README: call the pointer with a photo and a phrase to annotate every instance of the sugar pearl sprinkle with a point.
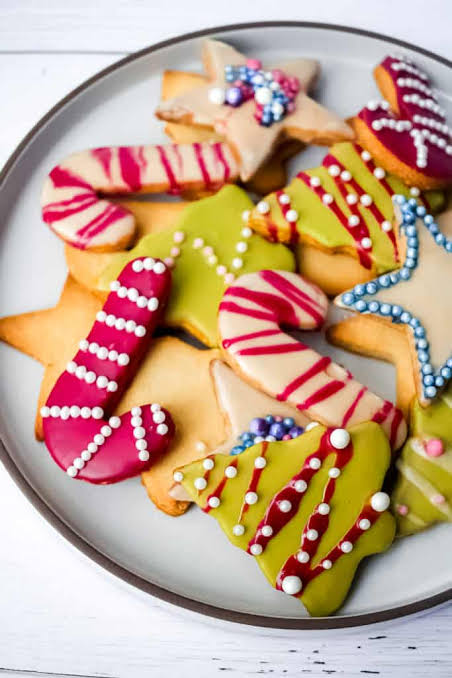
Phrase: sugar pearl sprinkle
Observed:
(94, 445)
(270, 428)
(132, 294)
(364, 297)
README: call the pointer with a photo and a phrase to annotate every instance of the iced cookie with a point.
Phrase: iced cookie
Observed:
(309, 509)
(254, 315)
(423, 491)
(407, 132)
(73, 198)
(271, 176)
(206, 249)
(82, 440)
(415, 297)
(342, 208)
(254, 109)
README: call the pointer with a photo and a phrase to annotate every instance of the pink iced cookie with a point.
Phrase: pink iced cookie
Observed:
(73, 199)
(80, 436)
(251, 315)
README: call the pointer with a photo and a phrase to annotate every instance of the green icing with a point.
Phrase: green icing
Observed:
(197, 288)
(318, 222)
(421, 478)
(359, 480)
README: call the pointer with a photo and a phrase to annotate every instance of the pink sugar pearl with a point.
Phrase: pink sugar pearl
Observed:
(434, 447)
(402, 509)
(254, 63)
(438, 499)
(286, 436)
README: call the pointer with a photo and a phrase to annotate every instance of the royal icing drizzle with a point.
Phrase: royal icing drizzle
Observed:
(73, 199)
(80, 436)
(283, 503)
(251, 315)
(423, 491)
(417, 132)
(411, 295)
(207, 248)
(254, 143)
(345, 203)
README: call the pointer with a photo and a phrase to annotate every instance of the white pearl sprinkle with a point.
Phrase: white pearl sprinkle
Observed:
(263, 207)
(241, 247)
(284, 199)
(246, 215)
(143, 455)
(323, 509)
(364, 524)
(114, 422)
(312, 535)
(255, 549)
(148, 263)
(230, 471)
(267, 531)
(200, 483)
(380, 501)
(346, 175)
(300, 485)
(353, 220)
(346, 546)
(327, 198)
(315, 463)
(178, 476)
(260, 462)
(351, 199)
(291, 585)
(314, 182)
(366, 200)
(208, 464)
(159, 417)
(237, 262)
(303, 557)
(214, 502)
(139, 432)
(162, 429)
(379, 173)
(141, 444)
(246, 232)
(327, 564)
(137, 266)
(366, 243)
(334, 472)
(251, 498)
(71, 471)
(365, 155)
(285, 506)
(386, 226)
(159, 267)
(292, 215)
(339, 438)
(238, 530)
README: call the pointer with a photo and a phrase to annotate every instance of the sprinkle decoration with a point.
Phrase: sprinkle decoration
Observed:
(273, 91)
(363, 298)
(270, 428)
(82, 439)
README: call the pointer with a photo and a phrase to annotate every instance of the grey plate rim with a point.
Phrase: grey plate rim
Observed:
(50, 514)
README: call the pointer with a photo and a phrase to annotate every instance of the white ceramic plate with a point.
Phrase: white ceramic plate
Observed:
(187, 561)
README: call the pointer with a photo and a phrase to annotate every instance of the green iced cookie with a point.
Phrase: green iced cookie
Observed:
(308, 509)
(209, 245)
(423, 491)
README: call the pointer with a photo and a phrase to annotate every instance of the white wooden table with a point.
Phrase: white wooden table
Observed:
(60, 614)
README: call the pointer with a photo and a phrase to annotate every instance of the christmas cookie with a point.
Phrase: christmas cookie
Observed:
(271, 176)
(415, 297)
(423, 492)
(206, 249)
(73, 198)
(252, 314)
(255, 109)
(342, 208)
(407, 132)
(82, 441)
(309, 509)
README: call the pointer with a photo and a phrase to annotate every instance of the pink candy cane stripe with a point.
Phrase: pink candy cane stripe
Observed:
(73, 198)
(326, 392)
(78, 433)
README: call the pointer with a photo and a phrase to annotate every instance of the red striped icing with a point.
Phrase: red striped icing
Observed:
(68, 437)
(74, 202)
(251, 315)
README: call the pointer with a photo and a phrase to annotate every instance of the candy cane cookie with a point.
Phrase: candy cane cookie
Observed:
(80, 436)
(73, 199)
(251, 315)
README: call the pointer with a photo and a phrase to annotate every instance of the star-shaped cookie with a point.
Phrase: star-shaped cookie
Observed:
(252, 142)
(417, 296)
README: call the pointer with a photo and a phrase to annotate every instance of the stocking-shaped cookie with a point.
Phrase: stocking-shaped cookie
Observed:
(423, 492)
(308, 509)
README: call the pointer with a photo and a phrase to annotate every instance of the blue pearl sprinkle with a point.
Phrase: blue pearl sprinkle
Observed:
(430, 391)
(374, 306)
(348, 298)
(360, 306)
(429, 380)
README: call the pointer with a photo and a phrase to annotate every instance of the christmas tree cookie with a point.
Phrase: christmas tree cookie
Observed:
(308, 509)
(423, 491)
(343, 207)
(208, 246)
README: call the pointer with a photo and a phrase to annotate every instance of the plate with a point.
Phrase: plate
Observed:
(186, 561)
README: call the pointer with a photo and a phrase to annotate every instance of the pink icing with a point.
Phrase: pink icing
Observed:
(73, 199)
(418, 134)
(434, 447)
(251, 317)
(119, 455)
